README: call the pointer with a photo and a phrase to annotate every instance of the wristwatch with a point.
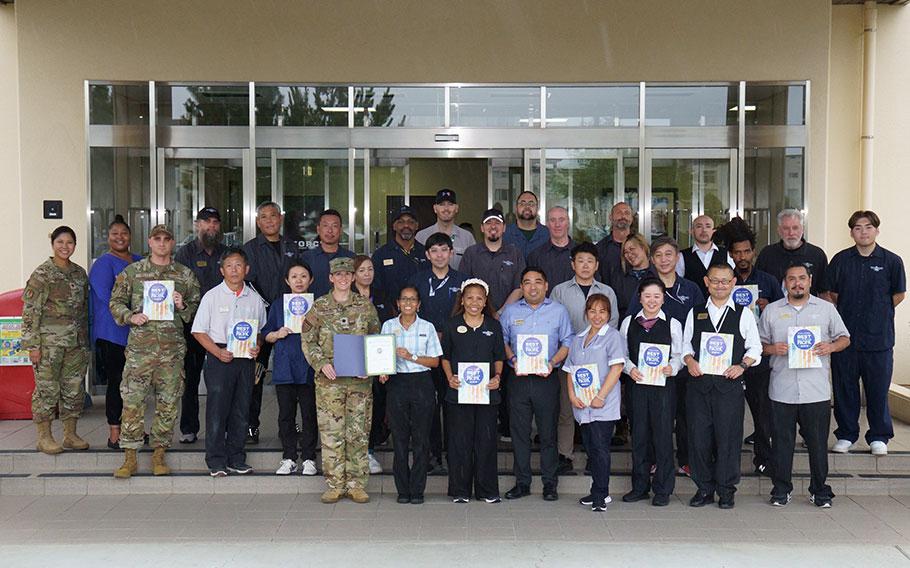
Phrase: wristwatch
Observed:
(414, 357)
(744, 365)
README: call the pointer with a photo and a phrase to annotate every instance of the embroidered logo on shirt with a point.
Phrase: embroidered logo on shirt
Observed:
(877, 268)
(518, 322)
(461, 329)
(488, 333)
(508, 262)
(683, 299)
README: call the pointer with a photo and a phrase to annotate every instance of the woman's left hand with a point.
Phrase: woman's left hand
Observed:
(34, 355)
(667, 370)
(178, 300)
(494, 383)
(597, 403)
(383, 379)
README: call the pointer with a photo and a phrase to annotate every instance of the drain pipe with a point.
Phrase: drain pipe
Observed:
(870, 26)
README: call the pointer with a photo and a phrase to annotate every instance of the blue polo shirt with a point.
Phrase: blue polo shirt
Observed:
(394, 267)
(318, 261)
(865, 285)
(513, 235)
(290, 367)
(437, 295)
(679, 299)
(550, 318)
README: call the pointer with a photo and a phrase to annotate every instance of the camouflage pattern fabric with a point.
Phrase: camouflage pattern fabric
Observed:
(55, 310)
(145, 376)
(344, 408)
(327, 317)
(59, 379)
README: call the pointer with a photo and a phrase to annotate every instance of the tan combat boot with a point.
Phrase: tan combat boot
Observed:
(332, 495)
(358, 495)
(159, 466)
(129, 466)
(71, 439)
(46, 441)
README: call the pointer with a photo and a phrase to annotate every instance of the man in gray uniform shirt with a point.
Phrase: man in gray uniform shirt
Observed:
(446, 208)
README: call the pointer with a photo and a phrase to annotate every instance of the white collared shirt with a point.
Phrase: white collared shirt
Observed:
(703, 256)
(676, 341)
(747, 328)
(221, 305)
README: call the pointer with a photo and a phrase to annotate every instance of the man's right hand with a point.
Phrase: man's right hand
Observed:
(139, 319)
(694, 368)
(225, 356)
(781, 349)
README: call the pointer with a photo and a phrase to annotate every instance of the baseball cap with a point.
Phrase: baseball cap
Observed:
(158, 229)
(402, 211)
(207, 213)
(444, 195)
(341, 265)
(493, 214)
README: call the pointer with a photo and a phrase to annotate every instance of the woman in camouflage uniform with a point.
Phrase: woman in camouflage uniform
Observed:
(55, 334)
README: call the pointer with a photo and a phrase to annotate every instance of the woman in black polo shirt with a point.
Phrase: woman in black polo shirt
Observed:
(472, 335)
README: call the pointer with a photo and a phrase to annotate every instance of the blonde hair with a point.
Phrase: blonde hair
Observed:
(639, 240)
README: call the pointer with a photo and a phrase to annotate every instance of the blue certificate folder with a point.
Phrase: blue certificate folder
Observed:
(350, 360)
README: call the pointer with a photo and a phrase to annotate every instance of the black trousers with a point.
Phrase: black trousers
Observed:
(653, 409)
(379, 432)
(534, 397)
(596, 437)
(289, 398)
(682, 424)
(715, 436)
(814, 421)
(411, 401)
(472, 434)
(757, 380)
(229, 386)
(874, 368)
(111, 358)
(265, 351)
(192, 367)
(437, 432)
(503, 407)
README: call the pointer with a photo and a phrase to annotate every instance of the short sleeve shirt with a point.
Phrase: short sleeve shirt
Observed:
(550, 318)
(221, 305)
(606, 349)
(419, 339)
(463, 344)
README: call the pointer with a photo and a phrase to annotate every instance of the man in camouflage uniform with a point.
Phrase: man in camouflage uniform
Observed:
(343, 404)
(55, 333)
(154, 351)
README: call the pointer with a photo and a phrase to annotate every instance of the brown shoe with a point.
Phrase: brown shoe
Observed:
(129, 467)
(332, 496)
(358, 495)
(46, 441)
(159, 465)
(71, 439)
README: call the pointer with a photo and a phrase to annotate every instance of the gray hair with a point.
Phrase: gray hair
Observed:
(266, 205)
(791, 213)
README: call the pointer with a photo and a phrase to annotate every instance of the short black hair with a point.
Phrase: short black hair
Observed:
(330, 213)
(664, 241)
(585, 246)
(527, 192)
(870, 215)
(409, 287)
(298, 264)
(796, 264)
(651, 281)
(439, 238)
(231, 251)
(720, 266)
(536, 269)
(63, 229)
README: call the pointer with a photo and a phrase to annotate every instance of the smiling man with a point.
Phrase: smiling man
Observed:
(527, 233)
(609, 248)
(446, 209)
(554, 256)
(794, 249)
(400, 258)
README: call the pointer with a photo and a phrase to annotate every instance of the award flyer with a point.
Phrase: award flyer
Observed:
(295, 307)
(801, 341)
(652, 357)
(746, 296)
(586, 381)
(474, 379)
(716, 354)
(242, 337)
(379, 355)
(158, 299)
(532, 355)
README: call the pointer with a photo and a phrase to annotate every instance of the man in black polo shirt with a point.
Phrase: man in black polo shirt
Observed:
(497, 263)
(715, 401)
(866, 282)
(328, 227)
(397, 260)
(269, 255)
(793, 249)
(693, 263)
(554, 256)
(609, 248)
(202, 255)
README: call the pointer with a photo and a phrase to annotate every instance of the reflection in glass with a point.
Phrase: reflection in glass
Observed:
(119, 186)
(301, 106)
(680, 188)
(691, 106)
(592, 107)
(501, 107)
(775, 104)
(774, 180)
(193, 183)
(193, 105)
(416, 107)
(119, 104)
(387, 189)
(508, 182)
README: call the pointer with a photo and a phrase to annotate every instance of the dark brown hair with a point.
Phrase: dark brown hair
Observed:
(458, 308)
(857, 215)
(595, 299)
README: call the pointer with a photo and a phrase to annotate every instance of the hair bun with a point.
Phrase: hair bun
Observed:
(118, 218)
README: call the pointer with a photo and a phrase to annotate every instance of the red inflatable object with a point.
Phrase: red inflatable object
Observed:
(16, 382)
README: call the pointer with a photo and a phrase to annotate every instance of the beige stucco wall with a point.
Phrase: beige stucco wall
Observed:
(10, 194)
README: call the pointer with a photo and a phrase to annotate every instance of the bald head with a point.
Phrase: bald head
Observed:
(703, 230)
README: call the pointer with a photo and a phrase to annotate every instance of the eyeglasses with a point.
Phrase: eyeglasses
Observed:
(720, 282)
(408, 300)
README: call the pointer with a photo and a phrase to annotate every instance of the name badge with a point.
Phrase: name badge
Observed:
(785, 316)
(388, 262)
(223, 309)
(702, 316)
(518, 322)
(202, 263)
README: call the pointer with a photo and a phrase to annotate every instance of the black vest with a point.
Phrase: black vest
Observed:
(637, 335)
(696, 271)
(701, 323)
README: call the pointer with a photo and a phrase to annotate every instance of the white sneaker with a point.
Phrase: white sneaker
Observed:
(879, 448)
(375, 466)
(286, 467)
(841, 446)
(308, 468)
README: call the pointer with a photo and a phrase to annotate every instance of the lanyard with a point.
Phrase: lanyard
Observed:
(438, 288)
(720, 324)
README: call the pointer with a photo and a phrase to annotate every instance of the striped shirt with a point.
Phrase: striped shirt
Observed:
(420, 339)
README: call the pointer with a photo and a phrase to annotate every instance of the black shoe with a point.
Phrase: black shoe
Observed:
(780, 500)
(660, 500)
(549, 493)
(633, 496)
(587, 471)
(587, 501)
(565, 466)
(418, 500)
(750, 439)
(763, 469)
(437, 468)
(725, 502)
(617, 441)
(701, 499)
(252, 436)
(599, 506)
(518, 492)
(404, 499)
(145, 439)
(240, 469)
(113, 445)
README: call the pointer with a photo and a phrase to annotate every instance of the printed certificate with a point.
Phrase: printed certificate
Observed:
(586, 381)
(474, 379)
(532, 355)
(379, 354)
(801, 340)
(158, 299)
(746, 296)
(295, 307)
(716, 354)
(652, 357)
(242, 337)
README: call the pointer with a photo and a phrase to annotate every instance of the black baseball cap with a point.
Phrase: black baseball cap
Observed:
(207, 213)
(444, 195)
(493, 214)
(402, 211)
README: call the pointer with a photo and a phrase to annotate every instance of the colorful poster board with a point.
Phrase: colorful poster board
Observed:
(11, 352)
(532, 355)
(652, 357)
(586, 381)
(158, 299)
(242, 335)
(801, 341)
(474, 381)
(716, 353)
(296, 307)
(747, 296)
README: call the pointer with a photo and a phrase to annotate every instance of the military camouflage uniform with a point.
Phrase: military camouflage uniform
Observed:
(154, 351)
(55, 320)
(343, 406)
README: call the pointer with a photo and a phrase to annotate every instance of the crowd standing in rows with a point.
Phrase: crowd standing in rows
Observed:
(656, 335)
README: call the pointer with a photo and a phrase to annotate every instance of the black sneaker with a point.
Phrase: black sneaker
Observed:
(403, 499)
(252, 436)
(113, 445)
(217, 472)
(586, 501)
(565, 466)
(417, 500)
(599, 506)
(518, 492)
(701, 499)
(240, 469)
(460, 500)
(492, 500)
(780, 500)
(750, 439)
(549, 493)
(660, 501)
(725, 502)
(820, 502)
(437, 468)
(634, 496)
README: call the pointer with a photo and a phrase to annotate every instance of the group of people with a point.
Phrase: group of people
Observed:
(450, 301)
